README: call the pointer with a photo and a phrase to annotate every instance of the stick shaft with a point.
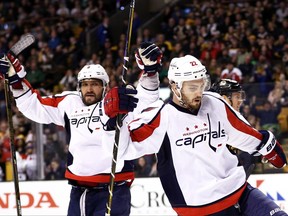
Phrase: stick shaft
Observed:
(24, 42)
(12, 146)
(119, 117)
(128, 41)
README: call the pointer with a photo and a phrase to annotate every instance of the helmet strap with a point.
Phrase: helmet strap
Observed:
(79, 88)
(177, 92)
(104, 91)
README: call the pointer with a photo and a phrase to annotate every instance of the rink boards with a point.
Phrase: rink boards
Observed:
(52, 197)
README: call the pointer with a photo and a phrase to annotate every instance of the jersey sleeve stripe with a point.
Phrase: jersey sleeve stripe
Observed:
(145, 130)
(49, 101)
(240, 125)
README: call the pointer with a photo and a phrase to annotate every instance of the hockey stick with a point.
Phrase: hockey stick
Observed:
(24, 42)
(17, 48)
(119, 116)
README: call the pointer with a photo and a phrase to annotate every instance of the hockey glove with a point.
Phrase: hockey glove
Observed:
(18, 74)
(111, 124)
(271, 150)
(120, 100)
(149, 58)
(4, 66)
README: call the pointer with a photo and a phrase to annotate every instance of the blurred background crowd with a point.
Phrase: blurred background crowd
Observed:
(242, 40)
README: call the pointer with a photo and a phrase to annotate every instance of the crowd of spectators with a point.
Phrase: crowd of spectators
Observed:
(245, 41)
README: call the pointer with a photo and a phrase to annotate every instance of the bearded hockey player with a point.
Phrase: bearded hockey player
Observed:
(199, 174)
(90, 132)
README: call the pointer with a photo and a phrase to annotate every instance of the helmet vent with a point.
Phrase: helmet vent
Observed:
(187, 73)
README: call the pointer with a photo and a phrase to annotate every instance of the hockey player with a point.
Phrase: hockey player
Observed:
(199, 175)
(90, 132)
(233, 94)
(231, 91)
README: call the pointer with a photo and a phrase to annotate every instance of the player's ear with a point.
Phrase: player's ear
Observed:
(175, 89)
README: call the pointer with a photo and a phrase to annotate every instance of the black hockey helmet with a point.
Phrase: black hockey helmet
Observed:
(226, 87)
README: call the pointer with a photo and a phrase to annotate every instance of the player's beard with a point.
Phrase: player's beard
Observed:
(191, 104)
(91, 98)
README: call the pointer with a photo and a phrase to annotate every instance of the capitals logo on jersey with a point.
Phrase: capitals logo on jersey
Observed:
(84, 116)
(201, 135)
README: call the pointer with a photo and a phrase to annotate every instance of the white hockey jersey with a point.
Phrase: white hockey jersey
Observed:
(90, 146)
(198, 172)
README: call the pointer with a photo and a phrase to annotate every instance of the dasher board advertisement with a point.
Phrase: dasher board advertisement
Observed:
(148, 198)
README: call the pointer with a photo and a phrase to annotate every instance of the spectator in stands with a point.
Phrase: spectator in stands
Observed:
(137, 22)
(95, 59)
(282, 11)
(103, 33)
(209, 49)
(231, 72)
(63, 10)
(163, 44)
(91, 9)
(192, 47)
(4, 141)
(3, 114)
(267, 116)
(69, 81)
(279, 46)
(181, 31)
(52, 148)
(31, 161)
(26, 163)
(35, 76)
(142, 168)
(276, 93)
(249, 113)
(76, 11)
(20, 144)
(262, 75)
(247, 69)
(168, 29)
(54, 171)
(54, 40)
(21, 124)
(146, 35)
(177, 50)
(284, 99)
(223, 58)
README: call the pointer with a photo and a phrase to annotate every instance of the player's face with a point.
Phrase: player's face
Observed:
(192, 93)
(237, 99)
(91, 91)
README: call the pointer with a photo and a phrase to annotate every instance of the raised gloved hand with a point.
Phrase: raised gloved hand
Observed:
(19, 72)
(4, 66)
(120, 100)
(272, 150)
(149, 58)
